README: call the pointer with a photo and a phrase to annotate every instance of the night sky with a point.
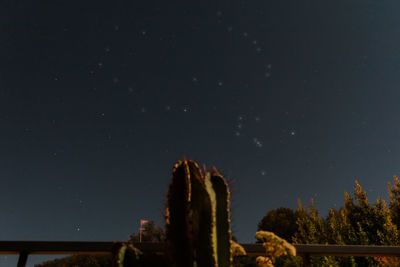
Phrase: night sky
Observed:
(98, 100)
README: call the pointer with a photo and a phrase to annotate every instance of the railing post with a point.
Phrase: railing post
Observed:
(306, 260)
(23, 258)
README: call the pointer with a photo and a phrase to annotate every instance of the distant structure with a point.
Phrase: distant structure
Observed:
(142, 223)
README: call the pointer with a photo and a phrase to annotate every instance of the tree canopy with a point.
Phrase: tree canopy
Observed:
(281, 221)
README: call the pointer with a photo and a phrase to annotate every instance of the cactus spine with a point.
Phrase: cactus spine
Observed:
(197, 218)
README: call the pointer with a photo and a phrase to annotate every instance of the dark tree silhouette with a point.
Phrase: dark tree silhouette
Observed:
(281, 221)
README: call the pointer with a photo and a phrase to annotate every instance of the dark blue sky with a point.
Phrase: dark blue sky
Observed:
(98, 100)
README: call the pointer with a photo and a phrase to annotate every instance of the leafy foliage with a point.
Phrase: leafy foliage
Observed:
(357, 223)
(274, 248)
(394, 204)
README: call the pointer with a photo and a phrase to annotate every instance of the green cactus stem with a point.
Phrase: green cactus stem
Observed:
(127, 255)
(178, 226)
(201, 218)
(223, 227)
(189, 218)
(197, 218)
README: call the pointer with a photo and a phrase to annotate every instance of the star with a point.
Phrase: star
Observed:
(257, 142)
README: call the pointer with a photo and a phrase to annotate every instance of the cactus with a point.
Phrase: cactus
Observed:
(126, 255)
(197, 218)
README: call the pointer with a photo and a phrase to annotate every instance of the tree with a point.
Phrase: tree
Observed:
(357, 223)
(394, 204)
(281, 221)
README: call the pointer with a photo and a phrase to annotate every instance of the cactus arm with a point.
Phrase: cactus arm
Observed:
(201, 218)
(224, 234)
(178, 227)
(127, 256)
(211, 193)
(121, 256)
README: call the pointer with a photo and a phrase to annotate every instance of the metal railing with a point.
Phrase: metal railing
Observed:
(26, 248)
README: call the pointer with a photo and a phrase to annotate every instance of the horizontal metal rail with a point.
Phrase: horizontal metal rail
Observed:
(24, 248)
